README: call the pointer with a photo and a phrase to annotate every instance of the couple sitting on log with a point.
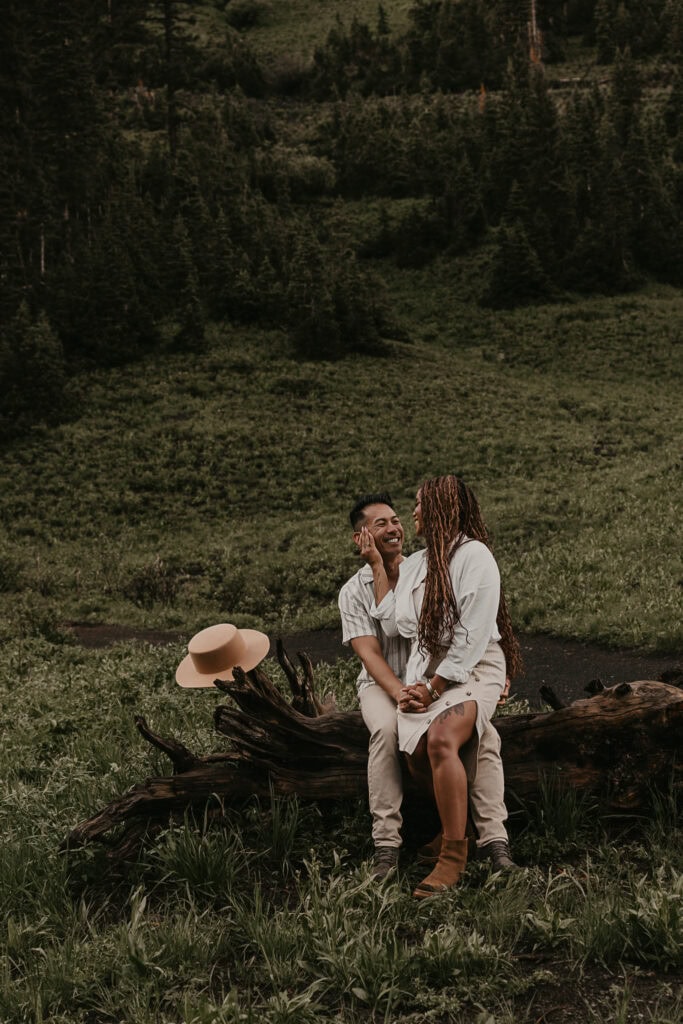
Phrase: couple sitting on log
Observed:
(436, 643)
(430, 641)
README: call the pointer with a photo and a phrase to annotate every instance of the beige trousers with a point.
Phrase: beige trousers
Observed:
(385, 786)
(385, 783)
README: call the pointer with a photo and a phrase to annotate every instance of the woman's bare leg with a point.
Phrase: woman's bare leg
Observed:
(445, 738)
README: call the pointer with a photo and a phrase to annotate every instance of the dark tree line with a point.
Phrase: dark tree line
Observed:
(589, 189)
(146, 190)
(463, 44)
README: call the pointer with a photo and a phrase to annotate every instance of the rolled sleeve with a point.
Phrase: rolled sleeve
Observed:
(356, 621)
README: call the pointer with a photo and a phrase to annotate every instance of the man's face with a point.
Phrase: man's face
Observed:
(385, 527)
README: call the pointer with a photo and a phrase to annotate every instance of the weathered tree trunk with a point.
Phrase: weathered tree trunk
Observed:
(620, 746)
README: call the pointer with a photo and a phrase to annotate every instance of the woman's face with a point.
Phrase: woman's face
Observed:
(417, 514)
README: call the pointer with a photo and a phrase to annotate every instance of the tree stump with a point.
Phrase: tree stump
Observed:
(619, 746)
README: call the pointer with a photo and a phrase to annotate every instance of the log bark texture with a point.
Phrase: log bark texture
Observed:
(619, 746)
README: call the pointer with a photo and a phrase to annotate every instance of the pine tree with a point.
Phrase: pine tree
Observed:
(69, 127)
(516, 276)
(18, 174)
(540, 150)
(602, 258)
(222, 263)
(177, 61)
(605, 30)
(461, 203)
(645, 27)
(658, 239)
(183, 284)
(583, 157)
(105, 303)
(383, 28)
(334, 308)
(32, 372)
(672, 25)
(312, 322)
(624, 97)
(673, 111)
(123, 43)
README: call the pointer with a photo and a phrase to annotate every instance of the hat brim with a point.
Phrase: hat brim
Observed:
(258, 645)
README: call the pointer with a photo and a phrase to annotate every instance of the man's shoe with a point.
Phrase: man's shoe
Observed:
(498, 853)
(384, 862)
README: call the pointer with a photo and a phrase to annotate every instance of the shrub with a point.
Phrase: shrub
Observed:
(288, 75)
(282, 172)
(235, 65)
(155, 583)
(10, 574)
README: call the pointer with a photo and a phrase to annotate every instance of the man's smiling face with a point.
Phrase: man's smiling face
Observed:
(385, 527)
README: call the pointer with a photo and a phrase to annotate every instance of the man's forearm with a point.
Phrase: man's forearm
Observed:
(380, 582)
(385, 678)
(379, 670)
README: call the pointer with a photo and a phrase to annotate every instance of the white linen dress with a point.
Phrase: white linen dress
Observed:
(472, 661)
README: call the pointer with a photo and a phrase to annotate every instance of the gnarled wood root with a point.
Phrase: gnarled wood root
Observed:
(620, 746)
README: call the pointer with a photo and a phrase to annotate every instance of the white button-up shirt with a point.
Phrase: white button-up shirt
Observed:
(476, 585)
(356, 598)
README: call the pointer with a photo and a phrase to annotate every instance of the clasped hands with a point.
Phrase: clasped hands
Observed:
(415, 699)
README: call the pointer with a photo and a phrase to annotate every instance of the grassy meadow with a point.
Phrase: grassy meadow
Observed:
(198, 487)
(191, 489)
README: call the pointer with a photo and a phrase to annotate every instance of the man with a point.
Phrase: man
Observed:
(380, 684)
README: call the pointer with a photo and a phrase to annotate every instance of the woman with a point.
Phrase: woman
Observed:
(448, 601)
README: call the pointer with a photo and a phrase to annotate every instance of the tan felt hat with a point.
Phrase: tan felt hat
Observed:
(216, 650)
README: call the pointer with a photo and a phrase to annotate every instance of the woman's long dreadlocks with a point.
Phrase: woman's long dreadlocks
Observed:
(450, 512)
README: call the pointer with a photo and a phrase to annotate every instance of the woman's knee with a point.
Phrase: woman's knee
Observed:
(451, 731)
(441, 748)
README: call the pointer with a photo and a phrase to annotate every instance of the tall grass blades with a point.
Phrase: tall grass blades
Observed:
(609, 915)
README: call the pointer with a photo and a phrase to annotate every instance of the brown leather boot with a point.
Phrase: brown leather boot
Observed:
(429, 853)
(497, 853)
(447, 871)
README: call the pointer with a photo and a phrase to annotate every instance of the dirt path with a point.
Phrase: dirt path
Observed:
(564, 665)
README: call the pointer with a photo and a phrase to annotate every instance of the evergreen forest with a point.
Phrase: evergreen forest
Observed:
(168, 165)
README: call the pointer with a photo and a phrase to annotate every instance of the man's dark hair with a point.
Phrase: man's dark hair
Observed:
(356, 515)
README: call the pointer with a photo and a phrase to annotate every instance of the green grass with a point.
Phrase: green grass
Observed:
(191, 489)
(294, 28)
(270, 915)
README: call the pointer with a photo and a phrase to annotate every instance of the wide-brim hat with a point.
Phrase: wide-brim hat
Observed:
(217, 650)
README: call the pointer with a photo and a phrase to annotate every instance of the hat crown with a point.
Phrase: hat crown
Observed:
(217, 648)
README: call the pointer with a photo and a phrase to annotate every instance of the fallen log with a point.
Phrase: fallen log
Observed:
(619, 746)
